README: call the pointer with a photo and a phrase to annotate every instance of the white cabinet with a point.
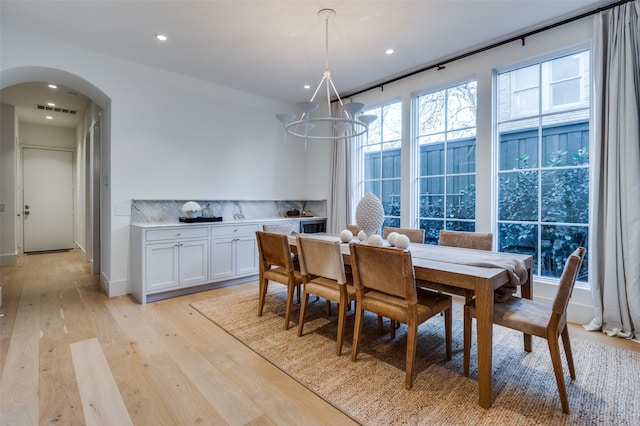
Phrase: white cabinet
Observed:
(168, 259)
(234, 252)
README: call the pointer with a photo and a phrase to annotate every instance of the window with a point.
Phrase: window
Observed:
(446, 143)
(380, 154)
(543, 163)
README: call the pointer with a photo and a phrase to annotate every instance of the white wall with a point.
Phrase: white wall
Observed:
(169, 136)
(481, 67)
(47, 136)
(8, 162)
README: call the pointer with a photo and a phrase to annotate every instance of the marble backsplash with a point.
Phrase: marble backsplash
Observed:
(163, 211)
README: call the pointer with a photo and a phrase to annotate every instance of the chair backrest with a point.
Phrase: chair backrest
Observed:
(568, 280)
(354, 229)
(385, 269)
(471, 240)
(321, 257)
(414, 235)
(274, 250)
(280, 228)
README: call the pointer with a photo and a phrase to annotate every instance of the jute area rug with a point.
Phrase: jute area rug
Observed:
(371, 390)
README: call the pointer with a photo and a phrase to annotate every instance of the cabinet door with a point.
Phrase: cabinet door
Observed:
(161, 268)
(193, 262)
(247, 262)
(222, 258)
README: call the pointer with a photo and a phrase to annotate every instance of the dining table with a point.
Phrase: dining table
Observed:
(462, 269)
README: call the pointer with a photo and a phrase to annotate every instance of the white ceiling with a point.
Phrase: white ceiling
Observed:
(273, 48)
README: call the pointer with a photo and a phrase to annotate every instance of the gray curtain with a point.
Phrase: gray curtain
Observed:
(615, 243)
(340, 203)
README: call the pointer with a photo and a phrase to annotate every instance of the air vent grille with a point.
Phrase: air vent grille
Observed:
(56, 109)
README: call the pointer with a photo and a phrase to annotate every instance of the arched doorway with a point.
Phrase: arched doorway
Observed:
(95, 134)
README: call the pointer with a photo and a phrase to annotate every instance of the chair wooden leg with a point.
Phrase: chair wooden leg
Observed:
(327, 307)
(412, 337)
(303, 309)
(554, 350)
(357, 328)
(567, 352)
(447, 331)
(393, 329)
(380, 329)
(262, 295)
(342, 319)
(467, 341)
(287, 314)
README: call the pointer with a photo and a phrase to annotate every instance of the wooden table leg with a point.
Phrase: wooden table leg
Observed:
(527, 293)
(484, 332)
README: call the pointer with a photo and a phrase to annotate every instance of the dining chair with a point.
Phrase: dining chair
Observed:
(470, 240)
(538, 319)
(324, 275)
(385, 284)
(281, 228)
(414, 235)
(276, 264)
(354, 229)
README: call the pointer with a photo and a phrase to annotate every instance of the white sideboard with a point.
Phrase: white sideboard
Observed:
(171, 259)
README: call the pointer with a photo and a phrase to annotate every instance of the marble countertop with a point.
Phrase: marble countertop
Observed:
(224, 222)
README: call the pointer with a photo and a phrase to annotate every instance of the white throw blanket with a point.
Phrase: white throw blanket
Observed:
(515, 267)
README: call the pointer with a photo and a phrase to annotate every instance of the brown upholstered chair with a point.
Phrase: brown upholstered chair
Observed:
(281, 228)
(385, 284)
(323, 272)
(276, 264)
(470, 240)
(538, 319)
(414, 235)
(354, 229)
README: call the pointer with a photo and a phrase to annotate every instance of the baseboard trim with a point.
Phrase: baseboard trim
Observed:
(114, 288)
(8, 259)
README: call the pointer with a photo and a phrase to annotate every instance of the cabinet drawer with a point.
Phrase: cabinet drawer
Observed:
(177, 233)
(240, 229)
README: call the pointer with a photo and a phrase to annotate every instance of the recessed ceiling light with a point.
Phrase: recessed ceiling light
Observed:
(48, 117)
(306, 86)
(53, 86)
(161, 37)
(389, 51)
(51, 104)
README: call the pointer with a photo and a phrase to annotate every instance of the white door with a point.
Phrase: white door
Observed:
(48, 199)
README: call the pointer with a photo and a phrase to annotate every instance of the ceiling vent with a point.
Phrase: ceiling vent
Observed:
(56, 109)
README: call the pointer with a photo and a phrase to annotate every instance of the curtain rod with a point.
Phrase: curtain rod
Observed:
(441, 65)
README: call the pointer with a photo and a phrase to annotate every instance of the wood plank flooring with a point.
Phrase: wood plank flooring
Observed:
(69, 355)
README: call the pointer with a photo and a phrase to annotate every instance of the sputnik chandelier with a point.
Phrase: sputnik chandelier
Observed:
(344, 125)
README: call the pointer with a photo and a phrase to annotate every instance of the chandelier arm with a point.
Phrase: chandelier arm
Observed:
(336, 92)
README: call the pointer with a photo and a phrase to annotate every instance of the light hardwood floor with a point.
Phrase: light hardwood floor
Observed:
(69, 355)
